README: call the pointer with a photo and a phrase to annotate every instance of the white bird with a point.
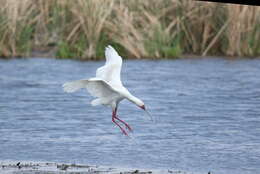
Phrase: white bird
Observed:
(107, 87)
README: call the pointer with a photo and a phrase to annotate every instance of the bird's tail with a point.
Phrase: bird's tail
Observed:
(73, 86)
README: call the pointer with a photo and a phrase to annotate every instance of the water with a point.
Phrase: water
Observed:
(207, 115)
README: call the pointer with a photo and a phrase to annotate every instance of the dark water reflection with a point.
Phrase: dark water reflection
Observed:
(207, 115)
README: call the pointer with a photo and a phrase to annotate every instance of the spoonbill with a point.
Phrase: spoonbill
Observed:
(107, 87)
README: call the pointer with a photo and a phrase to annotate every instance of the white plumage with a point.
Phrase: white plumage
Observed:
(107, 87)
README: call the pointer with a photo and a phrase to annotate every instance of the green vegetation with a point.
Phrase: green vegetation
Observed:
(138, 29)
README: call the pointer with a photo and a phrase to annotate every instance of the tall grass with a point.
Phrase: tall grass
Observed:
(141, 28)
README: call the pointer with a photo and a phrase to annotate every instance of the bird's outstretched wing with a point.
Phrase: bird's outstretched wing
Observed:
(95, 86)
(110, 72)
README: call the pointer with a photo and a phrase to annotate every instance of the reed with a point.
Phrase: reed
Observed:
(138, 29)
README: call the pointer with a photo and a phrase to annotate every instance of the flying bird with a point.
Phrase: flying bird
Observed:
(107, 87)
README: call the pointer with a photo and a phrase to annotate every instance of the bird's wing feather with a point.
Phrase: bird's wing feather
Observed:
(74, 85)
(99, 88)
(95, 86)
(110, 72)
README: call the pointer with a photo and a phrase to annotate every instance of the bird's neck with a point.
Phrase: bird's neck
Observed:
(134, 99)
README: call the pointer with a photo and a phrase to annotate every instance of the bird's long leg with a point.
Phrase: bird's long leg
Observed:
(114, 121)
(126, 125)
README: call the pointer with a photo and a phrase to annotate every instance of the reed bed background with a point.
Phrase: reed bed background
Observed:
(138, 29)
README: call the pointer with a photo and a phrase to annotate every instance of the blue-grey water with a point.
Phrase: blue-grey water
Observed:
(207, 114)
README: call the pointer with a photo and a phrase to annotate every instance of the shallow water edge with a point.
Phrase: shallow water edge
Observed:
(27, 167)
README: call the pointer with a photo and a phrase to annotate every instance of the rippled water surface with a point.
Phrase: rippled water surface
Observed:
(207, 115)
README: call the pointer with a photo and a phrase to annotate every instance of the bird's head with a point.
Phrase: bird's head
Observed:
(141, 105)
(138, 102)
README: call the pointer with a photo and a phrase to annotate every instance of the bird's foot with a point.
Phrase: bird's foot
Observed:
(123, 130)
(126, 125)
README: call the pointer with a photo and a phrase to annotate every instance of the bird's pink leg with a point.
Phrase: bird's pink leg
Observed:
(113, 120)
(126, 125)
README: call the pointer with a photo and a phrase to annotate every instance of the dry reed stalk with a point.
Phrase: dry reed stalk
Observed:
(242, 23)
(217, 36)
(234, 29)
(123, 30)
(12, 15)
(42, 35)
(18, 17)
(144, 28)
(91, 16)
(250, 20)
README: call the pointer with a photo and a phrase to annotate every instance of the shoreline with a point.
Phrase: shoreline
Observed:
(30, 167)
(47, 55)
